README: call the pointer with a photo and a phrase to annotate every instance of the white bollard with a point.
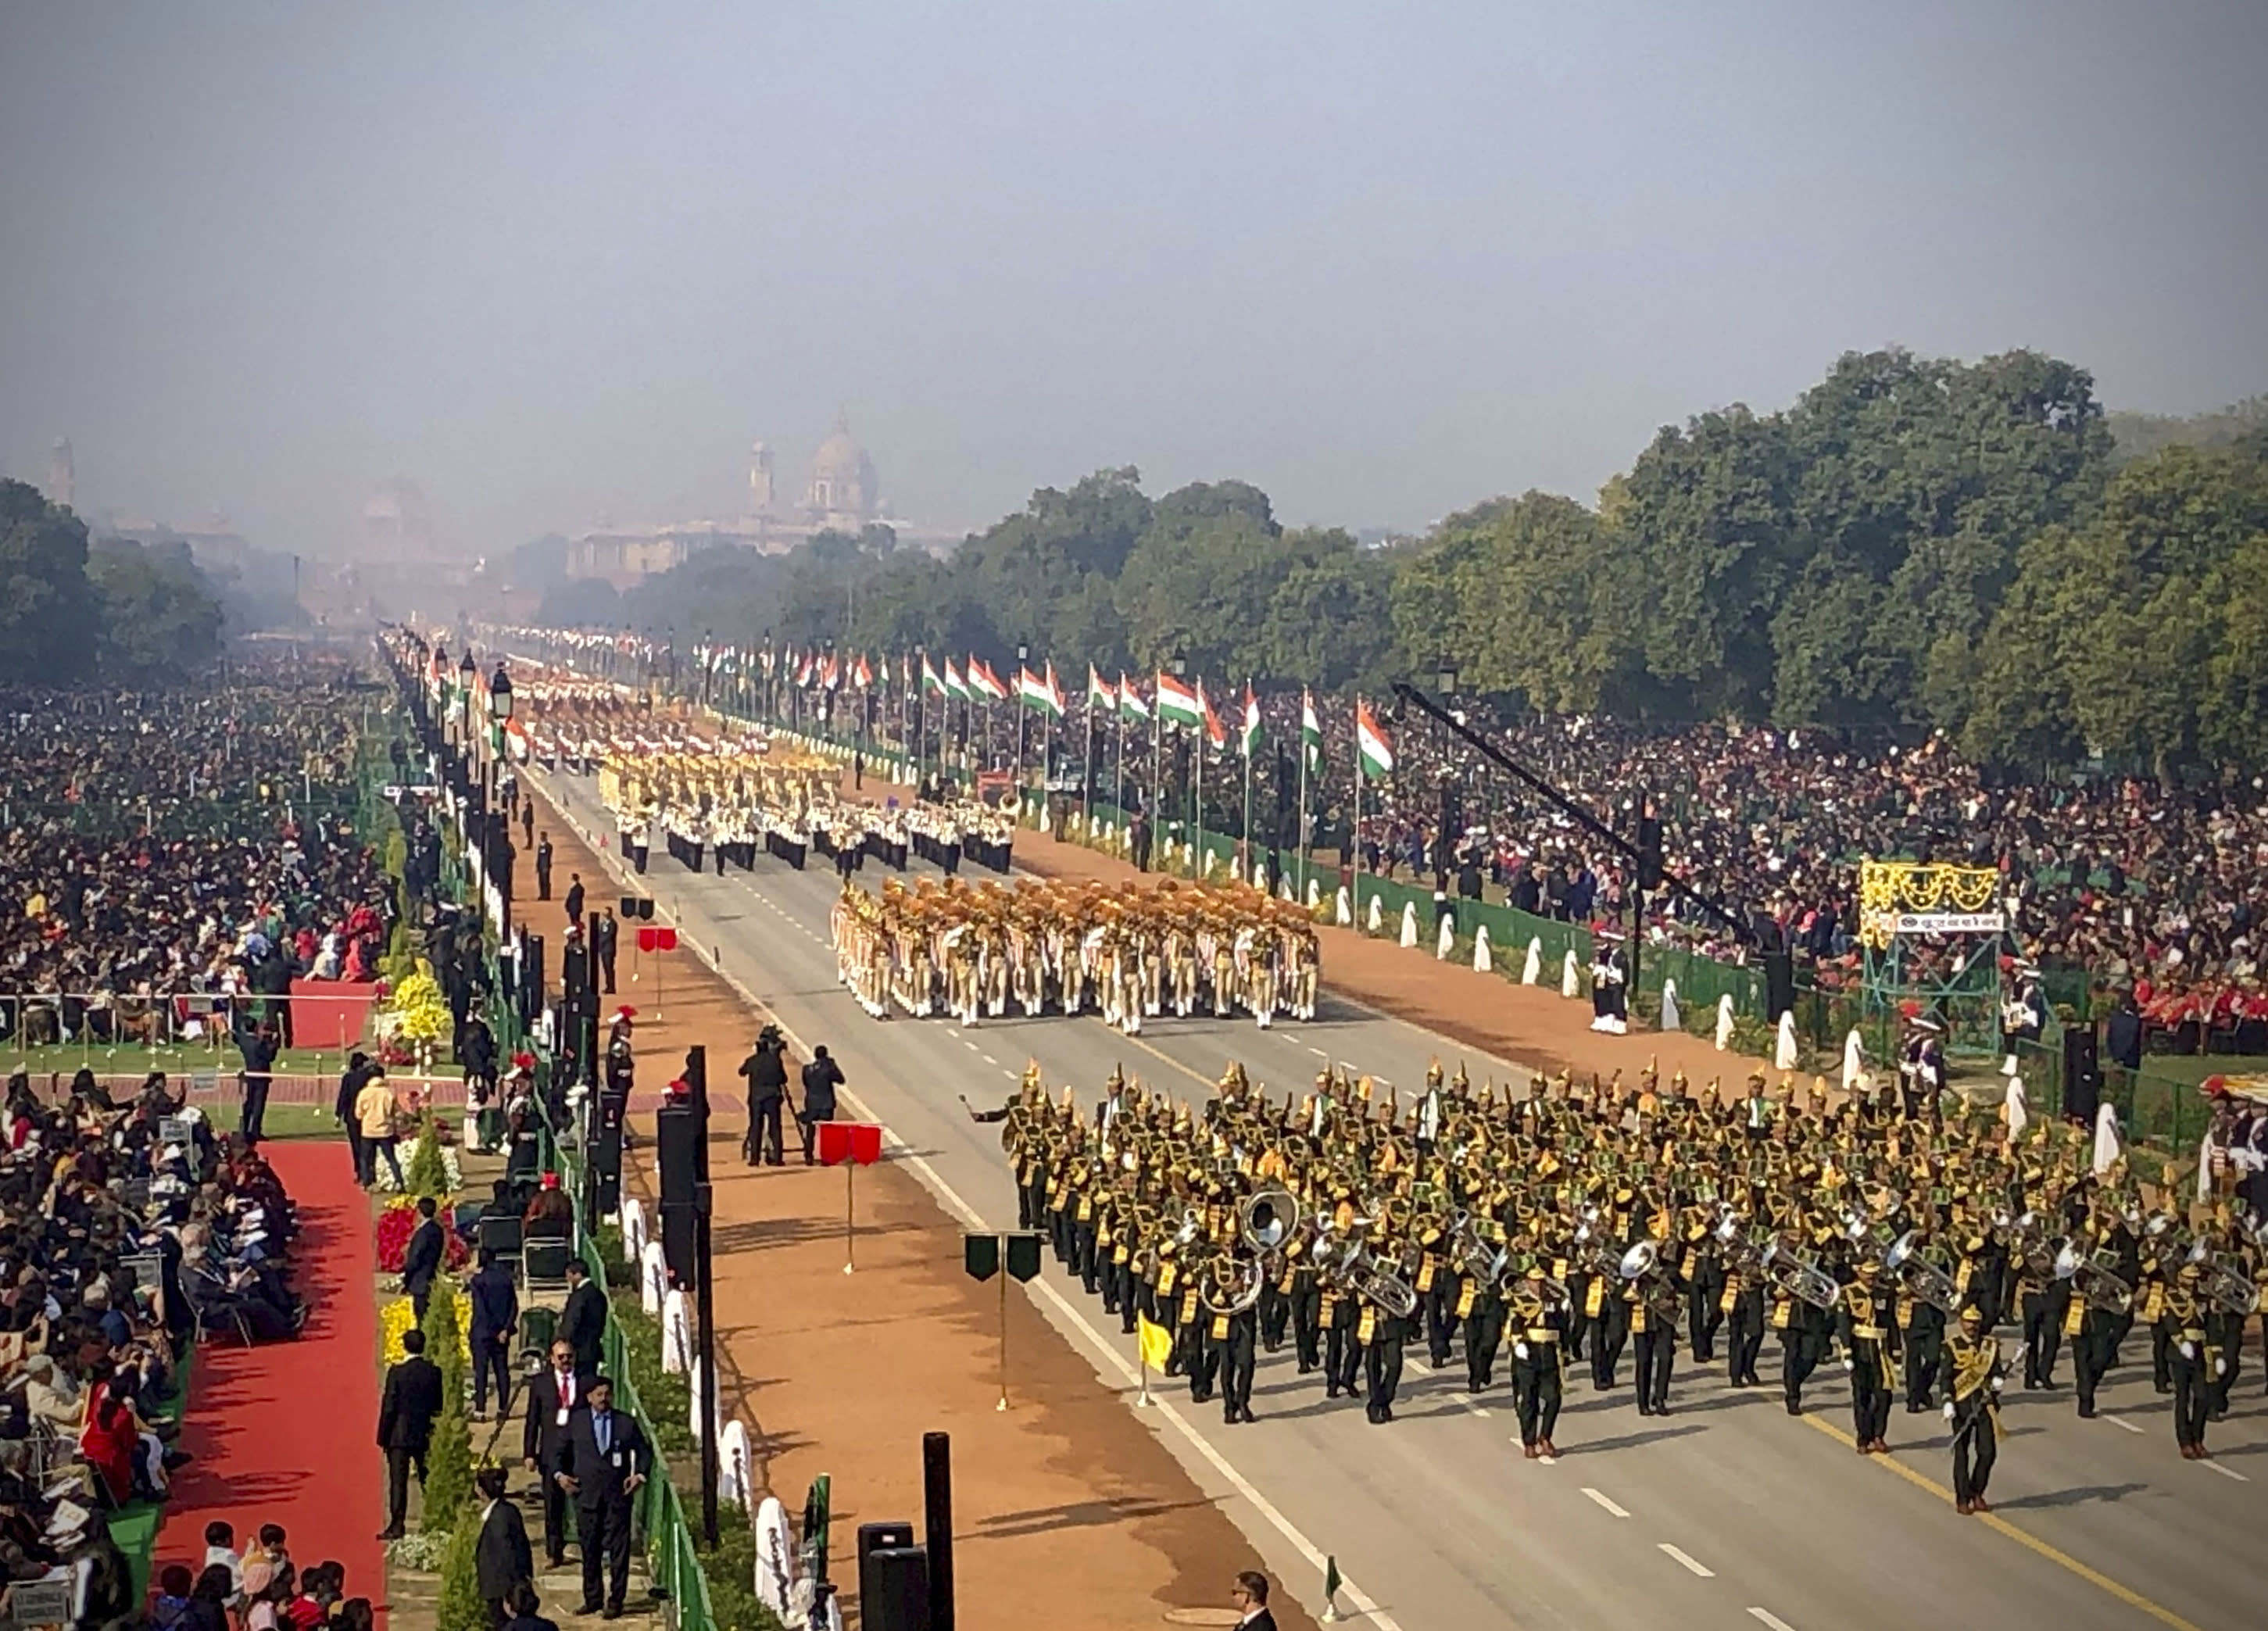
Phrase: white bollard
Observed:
(1345, 913)
(634, 1234)
(1408, 923)
(1483, 963)
(1236, 869)
(1571, 982)
(1315, 894)
(1445, 938)
(1532, 970)
(1725, 1023)
(676, 1334)
(1671, 1020)
(653, 1277)
(1376, 920)
(1784, 1057)
(1854, 1059)
(735, 1457)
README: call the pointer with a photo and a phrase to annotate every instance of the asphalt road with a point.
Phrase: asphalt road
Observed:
(1728, 1513)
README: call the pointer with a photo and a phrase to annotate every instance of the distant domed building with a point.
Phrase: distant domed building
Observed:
(844, 493)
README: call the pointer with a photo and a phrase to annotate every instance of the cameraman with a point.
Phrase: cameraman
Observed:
(821, 1077)
(766, 1073)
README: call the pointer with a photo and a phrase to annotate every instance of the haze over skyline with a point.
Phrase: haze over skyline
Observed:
(559, 262)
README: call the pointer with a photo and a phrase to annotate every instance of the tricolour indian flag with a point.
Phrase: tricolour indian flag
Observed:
(1251, 720)
(1130, 704)
(1311, 729)
(862, 676)
(1038, 692)
(1216, 732)
(1177, 704)
(1098, 694)
(956, 688)
(1371, 746)
(984, 683)
(931, 684)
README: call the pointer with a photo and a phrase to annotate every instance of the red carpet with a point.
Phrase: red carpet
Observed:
(284, 1433)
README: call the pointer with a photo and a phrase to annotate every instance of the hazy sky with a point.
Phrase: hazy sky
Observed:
(557, 262)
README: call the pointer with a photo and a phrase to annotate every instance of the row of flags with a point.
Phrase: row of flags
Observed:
(1173, 701)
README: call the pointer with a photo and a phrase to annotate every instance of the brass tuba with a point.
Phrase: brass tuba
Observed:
(2093, 1278)
(1797, 1276)
(1229, 1284)
(1922, 1280)
(2223, 1281)
(1268, 1219)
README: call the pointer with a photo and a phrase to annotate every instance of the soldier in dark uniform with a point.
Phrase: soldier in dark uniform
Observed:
(1972, 1405)
(1539, 1323)
(1862, 1317)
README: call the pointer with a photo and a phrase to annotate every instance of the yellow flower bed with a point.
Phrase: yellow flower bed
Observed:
(398, 1316)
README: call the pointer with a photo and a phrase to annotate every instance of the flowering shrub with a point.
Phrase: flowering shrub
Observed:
(399, 1222)
(420, 1013)
(405, 1151)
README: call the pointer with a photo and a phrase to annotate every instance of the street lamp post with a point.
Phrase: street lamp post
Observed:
(500, 848)
(1023, 659)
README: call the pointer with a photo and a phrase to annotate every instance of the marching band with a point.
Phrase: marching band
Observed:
(1581, 1220)
(1050, 946)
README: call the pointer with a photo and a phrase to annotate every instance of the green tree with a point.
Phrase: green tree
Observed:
(160, 619)
(49, 621)
(461, 1606)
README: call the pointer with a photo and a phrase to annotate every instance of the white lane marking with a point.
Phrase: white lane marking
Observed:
(2122, 1421)
(1691, 1566)
(2227, 1472)
(990, 1059)
(1162, 1409)
(1319, 1052)
(1770, 1618)
(1600, 1499)
(1009, 1074)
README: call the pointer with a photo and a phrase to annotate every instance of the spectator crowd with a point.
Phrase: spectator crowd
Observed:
(165, 857)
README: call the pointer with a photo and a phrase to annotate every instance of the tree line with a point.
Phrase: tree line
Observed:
(73, 610)
(1915, 544)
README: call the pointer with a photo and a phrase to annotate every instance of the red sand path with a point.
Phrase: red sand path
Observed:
(285, 1432)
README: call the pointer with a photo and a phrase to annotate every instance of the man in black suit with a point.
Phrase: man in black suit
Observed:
(575, 898)
(405, 1410)
(1250, 1592)
(421, 1259)
(583, 1321)
(609, 934)
(501, 1555)
(606, 1460)
(556, 1398)
(496, 1318)
(543, 868)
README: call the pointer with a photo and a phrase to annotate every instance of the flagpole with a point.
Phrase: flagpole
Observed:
(1196, 852)
(1356, 839)
(1301, 832)
(1157, 765)
(1247, 790)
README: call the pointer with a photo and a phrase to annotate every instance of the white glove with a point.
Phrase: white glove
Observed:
(1520, 1350)
(1849, 1364)
(1997, 1382)
(1948, 1410)
(2220, 1367)
(2189, 1350)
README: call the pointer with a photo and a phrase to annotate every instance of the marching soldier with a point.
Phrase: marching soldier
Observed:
(1862, 1319)
(1539, 1320)
(1972, 1370)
